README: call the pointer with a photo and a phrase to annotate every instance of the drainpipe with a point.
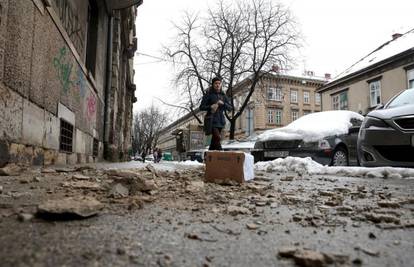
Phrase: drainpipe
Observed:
(108, 86)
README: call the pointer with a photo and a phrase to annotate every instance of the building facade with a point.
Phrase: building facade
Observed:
(277, 101)
(375, 79)
(66, 89)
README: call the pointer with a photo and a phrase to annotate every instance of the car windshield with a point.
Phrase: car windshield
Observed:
(405, 98)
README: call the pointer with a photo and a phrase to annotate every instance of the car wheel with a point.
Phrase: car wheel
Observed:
(340, 157)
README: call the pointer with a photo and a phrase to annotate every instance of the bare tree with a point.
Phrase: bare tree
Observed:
(146, 128)
(237, 41)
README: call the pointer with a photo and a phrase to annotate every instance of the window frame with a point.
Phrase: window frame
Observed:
(306, 100)
(292, 116)
(317, 99)
(293, 96)
(337, 103)
(410, 78)
(377, 93)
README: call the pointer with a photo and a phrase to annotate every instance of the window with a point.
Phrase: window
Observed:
(306, 112)
(274, 94)
(410, 78)
(295, 114)
(293, 96)
(340, 101)
(274, 116)
(317, 98)
(270, 117)
(69, 17)
(306, 97)
(375, 92)
(66, 136)
(278, 116)
(92, 38)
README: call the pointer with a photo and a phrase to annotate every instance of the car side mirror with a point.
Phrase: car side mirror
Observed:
(379, 106)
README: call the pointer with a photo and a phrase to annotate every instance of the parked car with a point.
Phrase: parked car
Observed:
(234, 145)
(196, 154)
(387, 133)
(328, 137)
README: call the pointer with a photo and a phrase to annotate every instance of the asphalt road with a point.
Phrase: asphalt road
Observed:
(185, 222)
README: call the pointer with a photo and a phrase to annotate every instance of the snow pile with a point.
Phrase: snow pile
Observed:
(386, 50)
(314, 126)
(190, 163)
(308, 166)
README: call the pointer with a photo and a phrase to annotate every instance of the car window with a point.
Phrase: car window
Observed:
(405, 98)
(356, 122)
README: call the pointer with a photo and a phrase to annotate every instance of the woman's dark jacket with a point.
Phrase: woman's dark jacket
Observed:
(211, 98)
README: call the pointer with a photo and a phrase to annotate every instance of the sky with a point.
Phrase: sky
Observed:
(336, 34)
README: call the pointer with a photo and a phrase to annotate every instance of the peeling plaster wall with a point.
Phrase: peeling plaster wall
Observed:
(42, 68)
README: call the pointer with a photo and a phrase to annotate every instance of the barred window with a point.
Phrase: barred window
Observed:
(66, 136)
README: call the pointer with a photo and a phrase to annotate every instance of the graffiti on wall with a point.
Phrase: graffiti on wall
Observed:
(90, 106)
(64, 69)
(77, 84)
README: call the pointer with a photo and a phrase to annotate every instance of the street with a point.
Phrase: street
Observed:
(172, 218)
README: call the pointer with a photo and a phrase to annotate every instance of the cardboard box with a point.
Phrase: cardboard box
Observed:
(225, 166)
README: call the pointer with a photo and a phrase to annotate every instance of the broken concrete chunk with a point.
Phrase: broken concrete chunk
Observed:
(69, 208)
(388, 204)
(151, 168)
(118, 191)
(236, 210)
(378, 218)
(252, 226)
(25, 217)
(10, 170)
(194, 186)
(48, 170)
(287, 252)
(80, 177)
(309, 258)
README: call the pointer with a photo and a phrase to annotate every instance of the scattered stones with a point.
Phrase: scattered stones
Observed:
(70, 208)
(287, 252)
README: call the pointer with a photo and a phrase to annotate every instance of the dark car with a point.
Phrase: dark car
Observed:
(328, 137)
(387, 133)
(196, 155)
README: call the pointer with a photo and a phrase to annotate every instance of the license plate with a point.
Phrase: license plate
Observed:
(276, 154)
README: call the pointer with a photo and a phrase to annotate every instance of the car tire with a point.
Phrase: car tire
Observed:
(340, 157)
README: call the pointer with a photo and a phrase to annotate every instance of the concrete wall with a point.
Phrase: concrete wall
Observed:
(43, 78)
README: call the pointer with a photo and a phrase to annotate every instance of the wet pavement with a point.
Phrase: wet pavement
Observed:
(167, 216)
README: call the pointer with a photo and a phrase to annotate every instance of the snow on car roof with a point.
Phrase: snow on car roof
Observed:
(314, 126)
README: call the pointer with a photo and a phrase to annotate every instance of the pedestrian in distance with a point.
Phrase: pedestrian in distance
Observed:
(159, 154)
(215, 102)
